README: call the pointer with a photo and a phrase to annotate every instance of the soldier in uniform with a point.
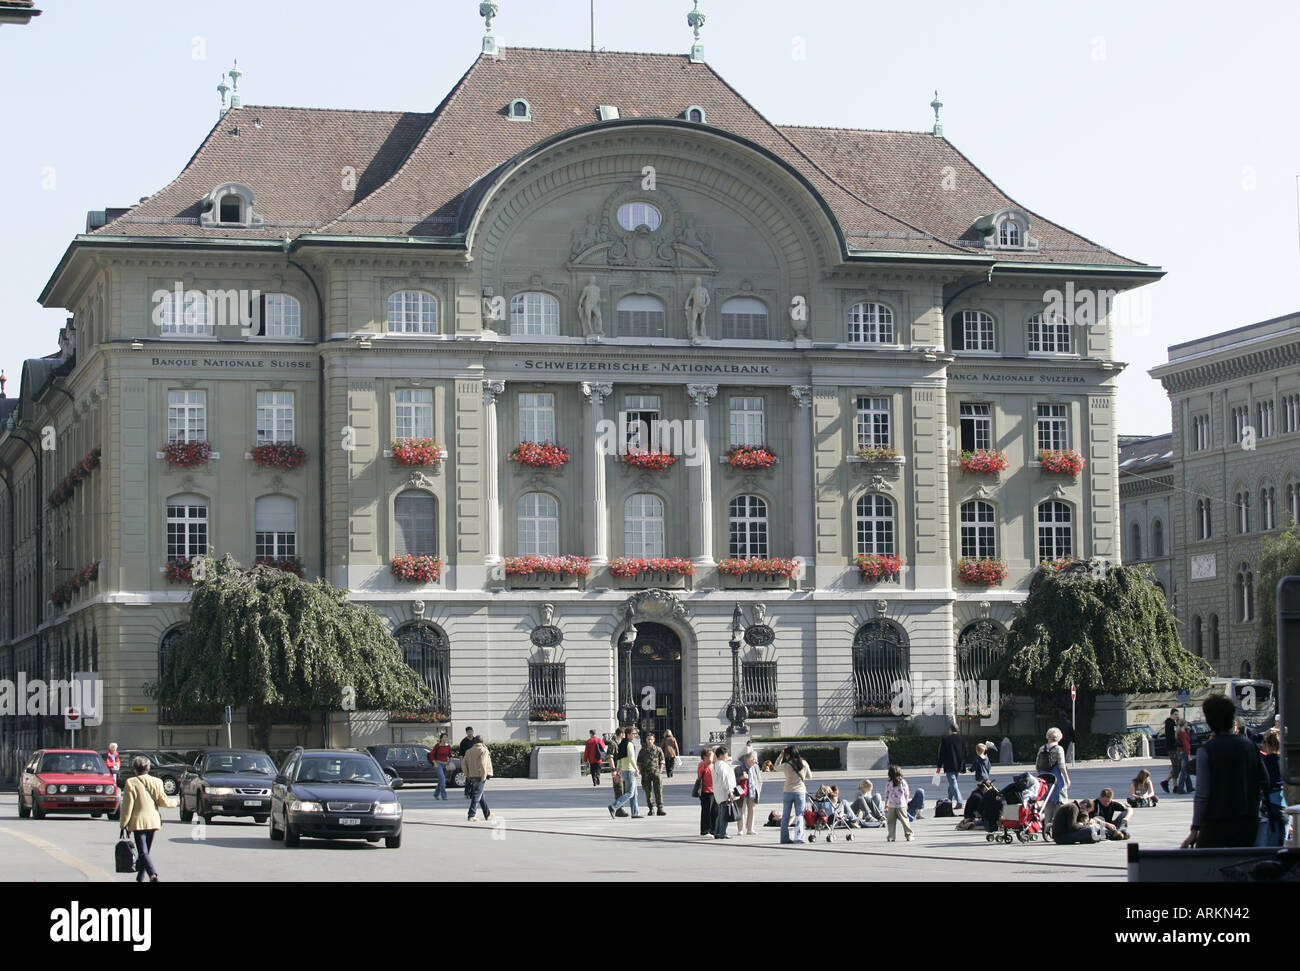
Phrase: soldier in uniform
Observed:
(617, 776)
(651, 764)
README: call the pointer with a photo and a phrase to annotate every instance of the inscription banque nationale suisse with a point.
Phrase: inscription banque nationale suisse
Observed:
(994, 377)
(647, 367)
(256, 364)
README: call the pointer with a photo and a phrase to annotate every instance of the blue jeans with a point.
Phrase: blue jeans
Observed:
(474, 790)
(442, 781)
(917, 802)
(953, 792)
(720, 822)
(1184, 783)
(795, 800)
(629, 793)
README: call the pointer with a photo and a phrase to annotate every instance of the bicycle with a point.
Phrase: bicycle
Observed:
(1116, 749)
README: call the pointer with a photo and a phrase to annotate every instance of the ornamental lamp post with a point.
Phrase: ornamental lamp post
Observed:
(627, 711)
(736, 710)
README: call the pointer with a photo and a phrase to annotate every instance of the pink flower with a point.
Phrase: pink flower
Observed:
(751, 457)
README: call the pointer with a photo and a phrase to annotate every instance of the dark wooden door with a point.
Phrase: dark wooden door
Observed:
(657, 680)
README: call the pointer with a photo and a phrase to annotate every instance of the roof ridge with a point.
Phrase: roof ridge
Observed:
(350, 111)
(873, 131)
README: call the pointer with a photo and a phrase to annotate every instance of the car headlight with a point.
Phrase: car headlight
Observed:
(63, 789)
(99, 789)
(219, 791)
(302, 806)
(388, 809)
(51, 790)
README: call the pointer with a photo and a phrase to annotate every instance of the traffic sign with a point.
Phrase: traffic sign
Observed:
(1185, 695)
(71, 719)
(1074, 693)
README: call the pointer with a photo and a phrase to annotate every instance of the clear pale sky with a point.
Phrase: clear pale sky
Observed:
(1162, 130)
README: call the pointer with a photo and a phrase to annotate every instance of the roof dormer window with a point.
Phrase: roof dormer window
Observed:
(607, 112)
(230, 204)
(232, 209)
(1009, 232)
(695, 113)
(520, 110)
(1006, 229)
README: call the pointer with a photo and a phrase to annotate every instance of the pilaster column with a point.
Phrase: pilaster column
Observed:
(700, 507)
(805, 497)
(595, 513)
(491, 472)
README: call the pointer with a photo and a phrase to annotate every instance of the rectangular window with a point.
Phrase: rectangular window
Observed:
(1290, 413)
(758, 688)
(640, 323)
(1053, 428)
(641, 412)
(537, 417)
(275, 417)
(275, 525)
(187, 530)
(744, 327)
(1049, 336)
(976, 427)
(1200, 432)
(1264, 419)
(747, 421)
(276, 544)
(873, 423)
(414, 413)
(187, 416)
(978, 532)
(1240, 419)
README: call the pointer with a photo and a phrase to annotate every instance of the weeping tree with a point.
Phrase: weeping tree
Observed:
(265, 639)
(1102, 630)
(1280, 558)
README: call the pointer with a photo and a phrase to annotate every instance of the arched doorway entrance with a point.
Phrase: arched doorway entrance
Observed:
(656, 679)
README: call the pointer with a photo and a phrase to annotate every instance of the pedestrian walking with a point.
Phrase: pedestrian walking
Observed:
(626, 766)
(897, 798)
(612, 754)
(724, 781)
(672, 752)
(952, 762)
(142, 797)
(1230, 781)
(1051, 758)
(477, 765)
(593, 753)
(795, 794)
(753, 794)
(440, 756)
(1171, 748)
(703, 790)
(467, 742)
(651, 763)
(1272, 825)
(1183, 785)
(1067, 734)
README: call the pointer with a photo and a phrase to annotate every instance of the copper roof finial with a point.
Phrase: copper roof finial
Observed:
(224, 88)
(936, 104)
(488, 11)
(3, 379)
(695, 19)
(235, 75)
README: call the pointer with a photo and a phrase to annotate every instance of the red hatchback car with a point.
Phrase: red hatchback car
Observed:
(67, 780)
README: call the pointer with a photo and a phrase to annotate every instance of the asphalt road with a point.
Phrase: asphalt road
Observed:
(562, 831)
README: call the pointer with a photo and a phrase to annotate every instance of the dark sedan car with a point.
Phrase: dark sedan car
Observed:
(335, 794)
(1200, 732)
(410, 763)
(167, 766)
(228, 782)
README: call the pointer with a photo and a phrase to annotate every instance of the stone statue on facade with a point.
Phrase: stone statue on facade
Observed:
(697, 302)
(593, 324)
(585, 239)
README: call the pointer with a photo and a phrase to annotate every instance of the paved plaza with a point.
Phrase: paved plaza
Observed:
(562, 831)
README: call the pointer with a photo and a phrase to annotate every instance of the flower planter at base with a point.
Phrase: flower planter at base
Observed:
(645, 581)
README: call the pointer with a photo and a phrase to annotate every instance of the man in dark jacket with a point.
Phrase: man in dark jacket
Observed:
(467, 742)
(1072, 825)
(1171, 748)
(952, 762)
(1230, 781)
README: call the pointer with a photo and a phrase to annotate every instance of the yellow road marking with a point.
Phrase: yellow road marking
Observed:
(92, 873)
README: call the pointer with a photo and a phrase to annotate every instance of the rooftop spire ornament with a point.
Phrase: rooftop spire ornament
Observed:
(936, 104)
(224, 88)
(695, 19)
(235, 75)
(488, 11)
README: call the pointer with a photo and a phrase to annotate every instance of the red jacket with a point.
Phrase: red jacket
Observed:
(594, 751)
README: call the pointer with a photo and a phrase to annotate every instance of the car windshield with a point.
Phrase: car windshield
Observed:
(170, 758)
(351, 769)
(73, 763)
(238, 764)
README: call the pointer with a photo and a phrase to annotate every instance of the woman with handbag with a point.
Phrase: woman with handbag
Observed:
(703, 791)
(795, 771)
(142, 797)
(724, 781)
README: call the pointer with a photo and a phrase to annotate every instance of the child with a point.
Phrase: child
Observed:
(1142, 791)
(897, 795)
(983, 768)
(867, 805)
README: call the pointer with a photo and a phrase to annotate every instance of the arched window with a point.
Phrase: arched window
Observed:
(747, 522)
(185, 314)
(973, 330)
(643, 526)
(538, 525)
(232, 208)
(871, 323)
(1049, 334)
(640, 315)
(1245, 595)
(875, 526)
(1214, 637)
(167, 647)
(281, 315)
(187, 527)
(1245, 669)
(426, 651)
(744, 318)
(1268, 508)
(1202, 519)
(980, 646)
(1198, 637)
(1157, 538)
(1009, 233)
(1135, 540)
(415, 515)
(696, 114)
(520, 110)
(534, 314)
(1055, 530)
(1293, 502)
(634, 215)
(978, 530)
(276, 525)
(880, 663)
(412, 312)
(1242, 500)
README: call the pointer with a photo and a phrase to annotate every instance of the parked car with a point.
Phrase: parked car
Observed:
(228, 782)
(335, 794)
(410, 763)
(167, 766)
(67, 780)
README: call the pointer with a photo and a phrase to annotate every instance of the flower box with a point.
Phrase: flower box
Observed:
(416, 451)
(416, 569)
(874, 568)
(278, 455)
(650, 461)
(569, 567)
(984, 461)
(1063, 462)
(874, 711)
(289, 564)
(750, 458)
(776, 569)
(539, 455)
(982, 572)
(878, 453)
(187, 455)
(62, 594)
(546, 715)
(1058, 564)
(420, 717)
(625, 567)
(79, 474)
(180, 571)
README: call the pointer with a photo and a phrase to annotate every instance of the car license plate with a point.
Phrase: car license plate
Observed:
(349, 822)
(252, 802)
(81, 799)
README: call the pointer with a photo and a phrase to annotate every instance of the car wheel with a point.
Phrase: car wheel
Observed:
(393, 842)
(37, 811)
(260, 820)
(458, 780)
(186, 815)
(170, 785)
(23, 811)
(276, 832)
(290, 837)
(95, 815)
(115, 814)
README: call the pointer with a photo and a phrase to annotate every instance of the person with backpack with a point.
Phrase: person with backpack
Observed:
(1051, 758)
(952, 762)
(593, 753)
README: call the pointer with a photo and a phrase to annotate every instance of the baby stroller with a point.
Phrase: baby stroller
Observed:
(1022, 808)
(821, 818)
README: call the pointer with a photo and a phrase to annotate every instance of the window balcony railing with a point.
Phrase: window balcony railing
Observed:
(546, 691)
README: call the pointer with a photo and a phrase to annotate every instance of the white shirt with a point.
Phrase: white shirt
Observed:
(724, 780)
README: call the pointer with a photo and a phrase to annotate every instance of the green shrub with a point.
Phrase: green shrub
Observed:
(800, 739)
(510, 760)
(820, 758)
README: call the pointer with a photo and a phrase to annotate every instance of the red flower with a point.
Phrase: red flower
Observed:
(187, 454)
(416, 451)
(79, 474)
(630, 566)
(279, 455)
(982, 572)
(750, 457)
(416, 569)
(1064, 462)
(289, 564)
(1058, 564)
(539, 455)
(533, 565)
(179, 571)
(650, 461)
(872, 568)
(758, 566)
(546, 715)
(985, 460)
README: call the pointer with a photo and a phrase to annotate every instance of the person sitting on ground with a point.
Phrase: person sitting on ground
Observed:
(1071, 823)
(1113, 816)
(867, 806)
(842, 809)
(974, 808)
(773, 818)
(1142, 791)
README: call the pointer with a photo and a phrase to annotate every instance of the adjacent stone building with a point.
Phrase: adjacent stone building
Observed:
(1146, 499)
(569, 238)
